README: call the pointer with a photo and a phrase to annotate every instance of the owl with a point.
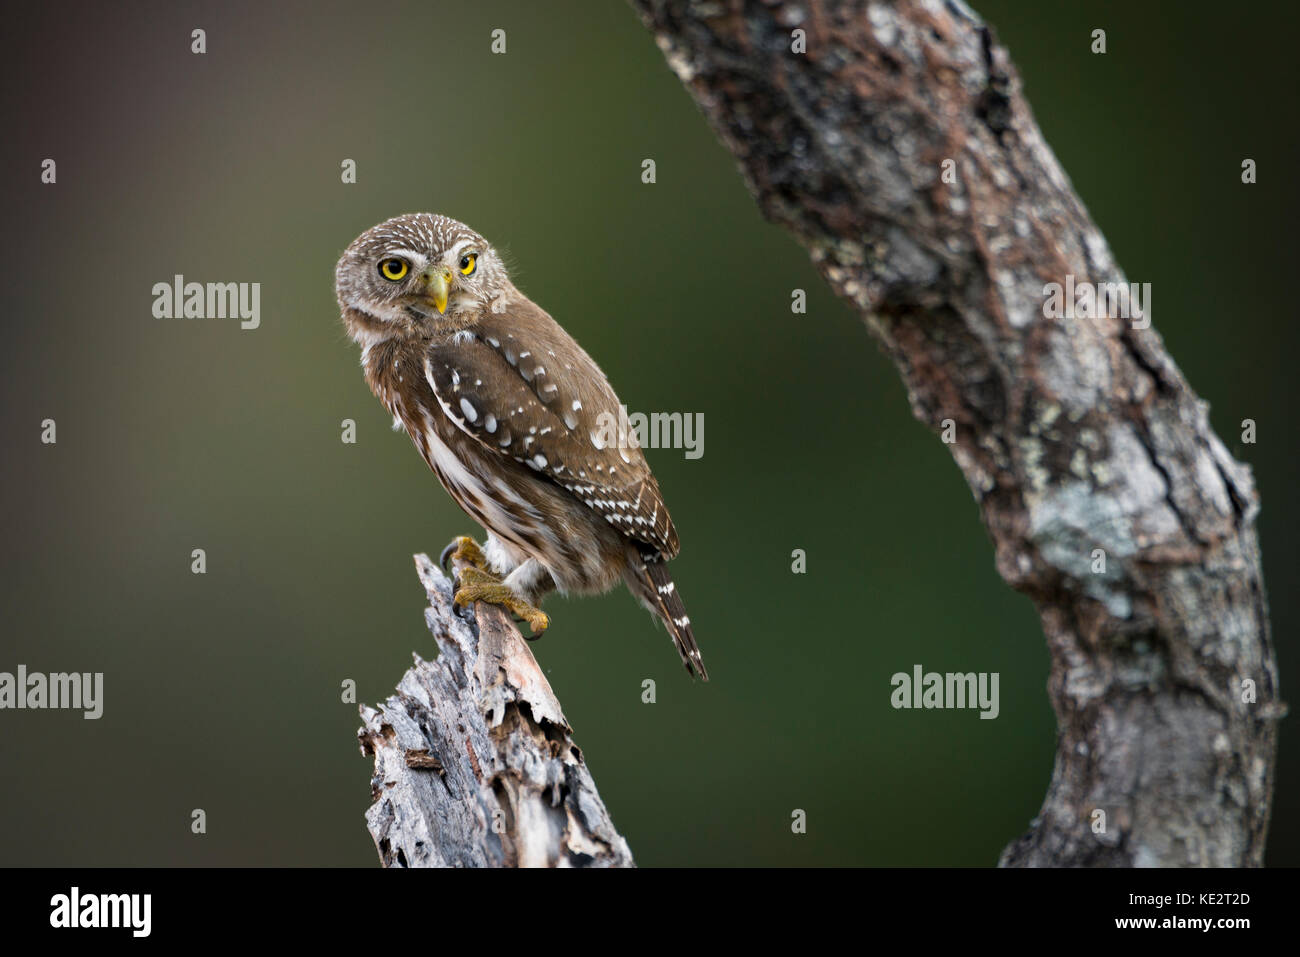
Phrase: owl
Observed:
(517, 422)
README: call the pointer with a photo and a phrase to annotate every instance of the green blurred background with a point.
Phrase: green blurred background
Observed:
(223, 690)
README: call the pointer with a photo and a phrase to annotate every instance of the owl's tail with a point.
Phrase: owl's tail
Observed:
(648, 578)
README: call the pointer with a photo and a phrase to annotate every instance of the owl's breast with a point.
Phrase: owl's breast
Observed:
(469, 473)
(395, 372)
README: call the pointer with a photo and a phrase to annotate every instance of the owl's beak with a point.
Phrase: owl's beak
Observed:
(437, 280)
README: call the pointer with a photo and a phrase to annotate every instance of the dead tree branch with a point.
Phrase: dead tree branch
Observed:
(475, 765)
(1110, 501)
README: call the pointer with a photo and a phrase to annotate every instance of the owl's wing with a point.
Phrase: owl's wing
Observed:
(524, 389)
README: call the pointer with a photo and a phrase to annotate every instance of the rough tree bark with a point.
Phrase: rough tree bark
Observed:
(1074, 435)
(474, 761)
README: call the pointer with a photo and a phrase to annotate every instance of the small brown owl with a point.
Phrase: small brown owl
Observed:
(516, 420)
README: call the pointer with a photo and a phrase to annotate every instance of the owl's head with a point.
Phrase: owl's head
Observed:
(417, 273)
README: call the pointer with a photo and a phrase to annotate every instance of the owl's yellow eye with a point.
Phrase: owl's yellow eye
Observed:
(394, 269)
(468, 263)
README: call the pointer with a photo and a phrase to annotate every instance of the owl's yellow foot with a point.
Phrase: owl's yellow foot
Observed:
(465, 549)
(477, 585)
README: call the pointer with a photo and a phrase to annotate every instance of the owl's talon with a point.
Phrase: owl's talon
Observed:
(537, 619)
(465, 549)
(482, 586)
(473, 581)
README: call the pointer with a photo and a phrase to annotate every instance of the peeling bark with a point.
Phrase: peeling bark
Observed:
(1075, 435)
(475, 765)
